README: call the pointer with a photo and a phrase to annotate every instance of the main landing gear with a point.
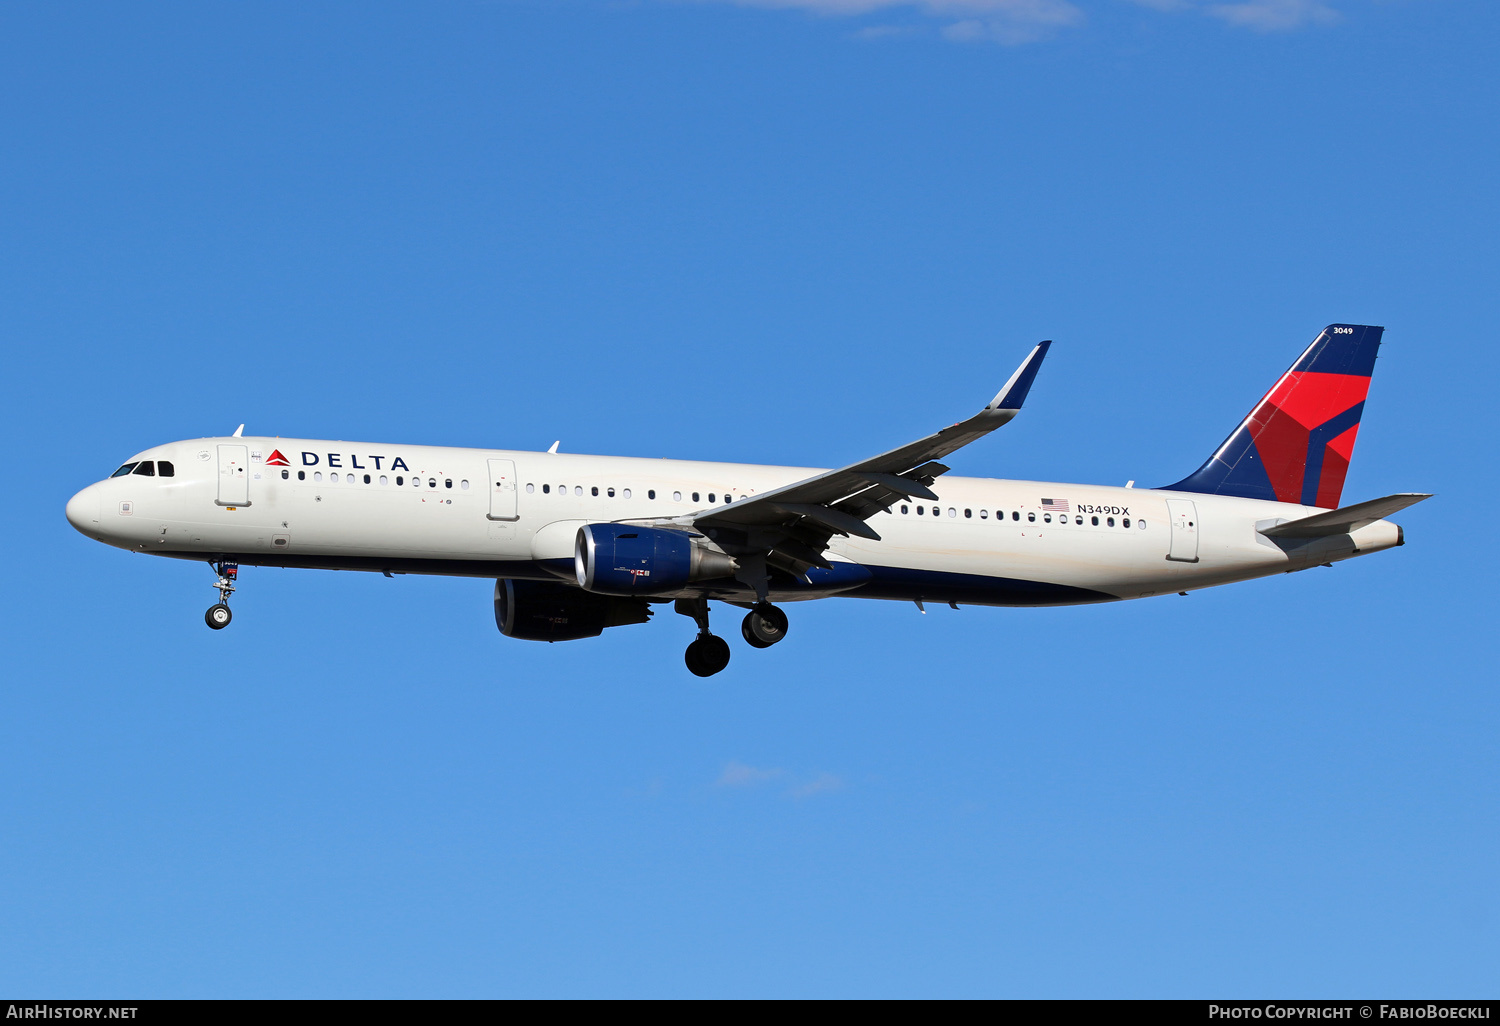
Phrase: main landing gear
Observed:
(709, 653)
(218, 615)
(764, 625)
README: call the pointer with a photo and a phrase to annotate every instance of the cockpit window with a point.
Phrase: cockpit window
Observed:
(164, 468)
(127, 468)
(146, 468)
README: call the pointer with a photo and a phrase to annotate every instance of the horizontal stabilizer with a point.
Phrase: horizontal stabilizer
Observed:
(1346, 520)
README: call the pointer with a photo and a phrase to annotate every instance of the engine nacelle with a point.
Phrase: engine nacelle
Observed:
(540, 611)
(618, 559)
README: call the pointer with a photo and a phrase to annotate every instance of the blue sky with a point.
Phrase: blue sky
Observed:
(783, 232)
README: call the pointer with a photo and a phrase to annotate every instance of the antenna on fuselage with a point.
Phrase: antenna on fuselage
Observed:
(553, 448)
(238, 431)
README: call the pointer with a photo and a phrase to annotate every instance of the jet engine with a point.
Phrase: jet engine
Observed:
(619, 559)
(541, 611)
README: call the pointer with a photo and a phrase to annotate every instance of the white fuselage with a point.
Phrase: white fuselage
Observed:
(425, 509)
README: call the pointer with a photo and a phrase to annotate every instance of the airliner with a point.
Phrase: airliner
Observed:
(577, 544)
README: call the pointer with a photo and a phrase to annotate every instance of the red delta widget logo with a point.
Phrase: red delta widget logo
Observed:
(1296, 444)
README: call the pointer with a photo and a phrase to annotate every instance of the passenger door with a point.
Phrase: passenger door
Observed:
(502, 490)
(1183, 513)
(234, 476)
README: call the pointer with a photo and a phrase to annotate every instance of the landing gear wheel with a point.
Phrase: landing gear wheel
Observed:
(764, 625)
(218, 615)
(707, 655)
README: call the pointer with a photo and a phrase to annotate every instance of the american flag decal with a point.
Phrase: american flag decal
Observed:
(1055, 505)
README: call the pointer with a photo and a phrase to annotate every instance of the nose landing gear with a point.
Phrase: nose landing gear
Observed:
(764, 625)
(218, 615)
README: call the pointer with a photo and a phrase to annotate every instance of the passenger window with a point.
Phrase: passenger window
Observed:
(676, 496)
(952, 512)
(127, 468)
(1046, 518)
(400, 480)
(921, 510)
(546, 489)
(984, 514)
(1031, 517)
(1140, 525)
(1078, 520)
(625, 494)
(1125, 522)
(1015, 514)
(594, 490)
(447, 482)
(164, 468)
(317, 475)
(578, 489)
(937, 511)
(350, 478)
(903, 511)
(384, 480)
(1109, 521)
(367, 479)
(432, 482)
(695, 496)
(146, 468)
(610, 492)
(285, 474)
(710, 496)
(301, 475)
(651, 494)
(464, 484)
(1094, 521)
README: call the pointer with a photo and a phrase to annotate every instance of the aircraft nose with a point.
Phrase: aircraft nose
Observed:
(83, 510)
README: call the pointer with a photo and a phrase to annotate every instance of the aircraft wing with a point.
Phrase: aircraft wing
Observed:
(793, 523)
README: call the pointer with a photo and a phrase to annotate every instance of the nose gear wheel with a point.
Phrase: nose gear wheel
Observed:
(218, 615)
